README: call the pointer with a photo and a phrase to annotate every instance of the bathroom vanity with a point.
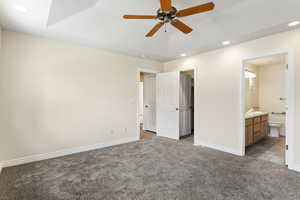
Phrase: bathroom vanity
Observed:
(256, 127)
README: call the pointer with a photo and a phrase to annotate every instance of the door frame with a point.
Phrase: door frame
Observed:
(290, 128)
(139, 70)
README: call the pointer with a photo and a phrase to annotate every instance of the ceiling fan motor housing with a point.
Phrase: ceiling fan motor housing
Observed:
(165, 17)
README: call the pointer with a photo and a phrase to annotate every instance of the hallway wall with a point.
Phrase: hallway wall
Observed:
(219, 76)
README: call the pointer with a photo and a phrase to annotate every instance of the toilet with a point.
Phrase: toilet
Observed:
(275, 129)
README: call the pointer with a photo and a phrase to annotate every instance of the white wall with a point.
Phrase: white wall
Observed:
(219, 76)
(56, 95)
(273, 87)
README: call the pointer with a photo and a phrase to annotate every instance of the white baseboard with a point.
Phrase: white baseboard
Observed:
(295, 167)
(65, 152)
(220, 148)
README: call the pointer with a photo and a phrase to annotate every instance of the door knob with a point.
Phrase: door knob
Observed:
(177, 109)
(146, 106)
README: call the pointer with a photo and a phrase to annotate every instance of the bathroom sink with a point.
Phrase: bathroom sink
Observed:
(254, 114)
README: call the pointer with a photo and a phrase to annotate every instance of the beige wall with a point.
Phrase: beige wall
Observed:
(218, 92)
(56, 95)
(252, 88)
(273, 87)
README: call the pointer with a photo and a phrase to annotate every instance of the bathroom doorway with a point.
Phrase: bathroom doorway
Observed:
(266, 93)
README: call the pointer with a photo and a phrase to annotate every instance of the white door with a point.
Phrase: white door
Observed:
(141, 102)
(149, 116)
(168, 105)
(185, 108)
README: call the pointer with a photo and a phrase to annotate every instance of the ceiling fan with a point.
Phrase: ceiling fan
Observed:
(169, 14)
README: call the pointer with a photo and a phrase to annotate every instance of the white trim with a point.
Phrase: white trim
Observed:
(291, 106)
(0, 168)
(242, 108)
(65, 152)
(290, 130)
(139, 70)
(219, 148)
(295, 167)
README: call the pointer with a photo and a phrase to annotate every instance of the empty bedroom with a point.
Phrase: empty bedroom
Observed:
(149, 100)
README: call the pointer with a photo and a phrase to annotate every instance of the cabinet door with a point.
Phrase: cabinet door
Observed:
(249, 135)
(264, 128)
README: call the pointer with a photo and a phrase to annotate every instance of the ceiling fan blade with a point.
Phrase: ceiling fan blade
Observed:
(166, 5)
(181, 26)
(139, 16)
(195, 10)
(154, 29)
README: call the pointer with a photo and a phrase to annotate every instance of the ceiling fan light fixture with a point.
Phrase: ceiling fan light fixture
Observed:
(169, 14)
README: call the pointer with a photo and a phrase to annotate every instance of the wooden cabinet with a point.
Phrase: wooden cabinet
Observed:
(256, 129)
(249, 132)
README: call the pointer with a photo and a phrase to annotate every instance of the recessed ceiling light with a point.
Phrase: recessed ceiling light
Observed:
(295, 23)
(183, 55)
(20, 8)
(226, 43)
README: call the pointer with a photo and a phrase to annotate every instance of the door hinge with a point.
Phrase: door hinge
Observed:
(287, 66)
(287, 147)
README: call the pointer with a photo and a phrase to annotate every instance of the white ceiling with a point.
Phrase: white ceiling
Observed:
(270, 60)
(99, 24)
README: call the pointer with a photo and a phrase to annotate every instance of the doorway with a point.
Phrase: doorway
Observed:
(187, 98)
(267, 95)
(147, 105)
(175, 105)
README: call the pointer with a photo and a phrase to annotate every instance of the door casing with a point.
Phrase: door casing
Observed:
(290, 123)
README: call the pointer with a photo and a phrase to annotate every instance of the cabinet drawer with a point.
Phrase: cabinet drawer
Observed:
(264, 128)
(256, 120)
(264, 118)
(248, 122)
(256, 128)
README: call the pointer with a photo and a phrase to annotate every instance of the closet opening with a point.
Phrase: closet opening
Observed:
(186, 106)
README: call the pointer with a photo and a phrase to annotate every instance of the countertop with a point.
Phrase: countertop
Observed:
(254, 114)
